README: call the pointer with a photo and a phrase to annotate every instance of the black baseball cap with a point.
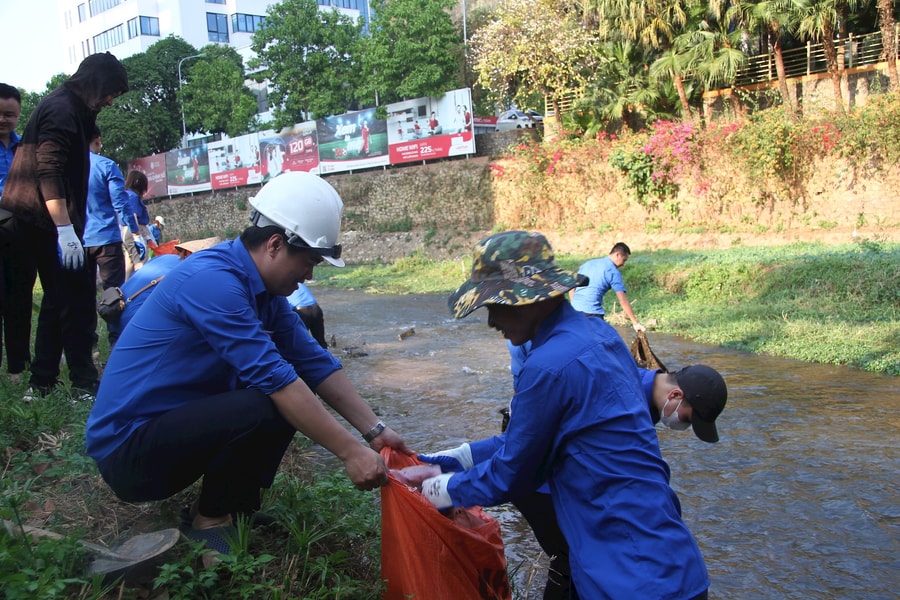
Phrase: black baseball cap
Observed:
(705, 390)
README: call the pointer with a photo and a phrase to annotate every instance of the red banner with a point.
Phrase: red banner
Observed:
(154, 167)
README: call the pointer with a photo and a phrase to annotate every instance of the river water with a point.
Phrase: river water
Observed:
(799, 499)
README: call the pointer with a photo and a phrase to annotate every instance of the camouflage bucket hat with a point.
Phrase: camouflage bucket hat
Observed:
(512, 268)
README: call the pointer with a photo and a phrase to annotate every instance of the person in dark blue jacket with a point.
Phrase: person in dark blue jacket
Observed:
(215, 374)
(579, 422)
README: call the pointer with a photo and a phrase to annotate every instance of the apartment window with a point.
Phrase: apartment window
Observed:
(143, 26)
(99, 6)
(82, 13)
(109, 38)
(246, 23)
(217, 27)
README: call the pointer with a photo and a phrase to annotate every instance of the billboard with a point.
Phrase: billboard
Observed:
(427, 128)
(187, 170)
(234, 162)
(154, 167)
(355, 140)
(294, 148)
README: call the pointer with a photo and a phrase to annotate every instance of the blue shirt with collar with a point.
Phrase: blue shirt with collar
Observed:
(301, 297)
(153, 269)
(138, 208)
(107, 204)
(6, 156)
(579, 420)
(209, 327)
(602, 275)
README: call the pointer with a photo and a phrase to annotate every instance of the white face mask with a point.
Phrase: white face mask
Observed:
(672, 421)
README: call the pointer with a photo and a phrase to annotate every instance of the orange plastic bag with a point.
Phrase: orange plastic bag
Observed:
(426, 555)
(166, 248)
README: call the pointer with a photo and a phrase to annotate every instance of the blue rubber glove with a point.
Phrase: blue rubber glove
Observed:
(141, 248)
(451, 461)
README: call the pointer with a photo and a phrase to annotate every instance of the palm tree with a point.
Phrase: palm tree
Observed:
(819, 20)
(651, 23)
(888, 41)
(772, 17)
(622, 90)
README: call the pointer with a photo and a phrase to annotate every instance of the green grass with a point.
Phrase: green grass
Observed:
(830, 304)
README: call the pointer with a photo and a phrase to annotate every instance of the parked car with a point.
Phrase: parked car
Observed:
(514, 119)
(538, 117)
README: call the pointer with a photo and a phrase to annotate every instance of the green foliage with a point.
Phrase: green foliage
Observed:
(640, 172)
(146, 119)
(873, 133)
(404, 223)
(532, 46)
(214, 95)
(413, 50)
(310, 58)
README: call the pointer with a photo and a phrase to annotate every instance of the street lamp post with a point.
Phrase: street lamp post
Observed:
(183, 127)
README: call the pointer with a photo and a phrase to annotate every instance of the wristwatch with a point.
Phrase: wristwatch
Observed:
(374, 432)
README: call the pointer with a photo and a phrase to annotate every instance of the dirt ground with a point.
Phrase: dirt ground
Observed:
(365, 247)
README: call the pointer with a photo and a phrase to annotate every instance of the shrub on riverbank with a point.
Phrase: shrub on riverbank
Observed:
(837, 305)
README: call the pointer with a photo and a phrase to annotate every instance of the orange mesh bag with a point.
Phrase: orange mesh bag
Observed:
(429, 555)
(167, 248)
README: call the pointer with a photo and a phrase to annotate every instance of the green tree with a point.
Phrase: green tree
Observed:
(31, 99)
(309, 57)
(622, 93)
(214, 95)
(413, 50)
(146, 119)
(533, 46)
(818, 20)
(886, 19)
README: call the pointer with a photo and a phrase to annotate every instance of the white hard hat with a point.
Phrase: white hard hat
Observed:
(308, 209)
(160, 220)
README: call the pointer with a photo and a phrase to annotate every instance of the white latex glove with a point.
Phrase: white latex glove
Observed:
(639, 327)
(435, 489)
(71, 252)
(453, 460)
(139, 246)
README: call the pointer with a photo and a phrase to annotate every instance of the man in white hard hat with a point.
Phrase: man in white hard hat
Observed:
(215, 374)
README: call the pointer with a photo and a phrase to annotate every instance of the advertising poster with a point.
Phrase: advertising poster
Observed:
(187, 170)
(355, 140)
(427, 128)
(294, 148)
(234, 162)
(154, 167)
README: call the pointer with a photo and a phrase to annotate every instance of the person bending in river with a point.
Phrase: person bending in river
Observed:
(215, 373)
(692, 397)
(579, 422)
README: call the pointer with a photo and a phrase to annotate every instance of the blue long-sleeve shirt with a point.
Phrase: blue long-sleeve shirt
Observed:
(579, 420)
(209, 327)
(107, 204)
(6, 156)
(138, 208)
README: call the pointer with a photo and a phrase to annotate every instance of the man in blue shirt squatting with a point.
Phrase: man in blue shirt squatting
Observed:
(254, 371)
(692, 397)
(603, 275)
(578, 421)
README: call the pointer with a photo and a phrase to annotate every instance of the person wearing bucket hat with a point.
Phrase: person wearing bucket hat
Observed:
(579, 422)
(691, 397)
(215, 374)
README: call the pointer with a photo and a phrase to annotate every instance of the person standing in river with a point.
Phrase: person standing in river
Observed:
(579, 422)
(603, 275)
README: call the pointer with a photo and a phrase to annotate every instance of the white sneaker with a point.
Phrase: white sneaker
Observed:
(30, 396)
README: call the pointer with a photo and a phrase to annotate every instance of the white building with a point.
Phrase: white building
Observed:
(127, 27)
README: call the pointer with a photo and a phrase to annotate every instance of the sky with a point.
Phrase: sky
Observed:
(31, 44)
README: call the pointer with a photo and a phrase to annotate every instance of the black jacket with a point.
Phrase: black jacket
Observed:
(53, 159)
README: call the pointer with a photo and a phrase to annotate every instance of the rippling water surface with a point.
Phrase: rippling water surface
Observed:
(799, 499)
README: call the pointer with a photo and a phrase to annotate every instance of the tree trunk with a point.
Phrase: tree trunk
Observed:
(782, 79)
(834, 70)
(886, 15)
(682, 95)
